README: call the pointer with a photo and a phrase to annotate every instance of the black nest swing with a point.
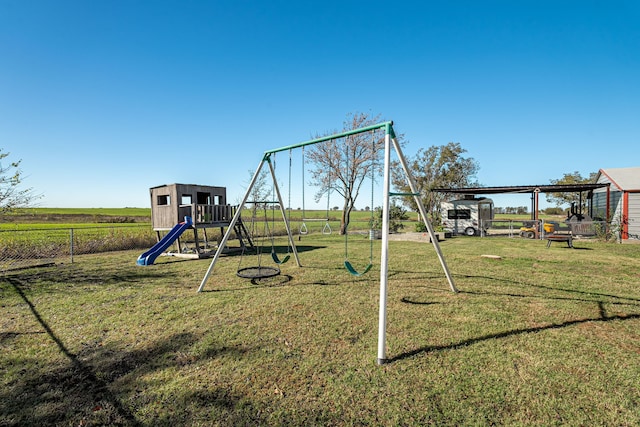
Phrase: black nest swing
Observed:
(258, 272)
(261, 271)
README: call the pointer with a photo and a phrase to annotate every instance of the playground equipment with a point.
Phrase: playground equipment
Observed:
(205, 205)
(150, 256)
(303, 229)
(260, 271)
(390, 141)
(347, 263)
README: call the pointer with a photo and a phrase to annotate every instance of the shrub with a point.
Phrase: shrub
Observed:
(396, 214)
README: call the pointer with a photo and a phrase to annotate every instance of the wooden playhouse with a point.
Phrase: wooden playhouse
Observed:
(206, 206)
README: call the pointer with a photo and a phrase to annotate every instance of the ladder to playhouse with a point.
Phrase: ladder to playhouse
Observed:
(390, 141)
(243, 235)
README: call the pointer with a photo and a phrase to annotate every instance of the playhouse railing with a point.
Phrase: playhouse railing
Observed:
(208, 214)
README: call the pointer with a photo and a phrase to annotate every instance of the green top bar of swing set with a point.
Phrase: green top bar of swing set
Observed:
(388, 126)
(404, 194)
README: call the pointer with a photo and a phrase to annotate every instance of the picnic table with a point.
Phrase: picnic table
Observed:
(560, 238)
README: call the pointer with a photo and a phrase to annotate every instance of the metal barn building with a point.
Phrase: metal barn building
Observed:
(621, 199)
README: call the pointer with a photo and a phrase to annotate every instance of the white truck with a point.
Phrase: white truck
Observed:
(469, 216)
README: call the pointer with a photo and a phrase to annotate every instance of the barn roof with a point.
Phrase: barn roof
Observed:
(626, 179)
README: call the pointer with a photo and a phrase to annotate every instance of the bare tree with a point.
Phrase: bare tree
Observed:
(11, 196)
(260, 192)
(436, 167)
(342, 165)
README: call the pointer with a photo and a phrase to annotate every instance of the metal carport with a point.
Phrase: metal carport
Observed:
(534, 190)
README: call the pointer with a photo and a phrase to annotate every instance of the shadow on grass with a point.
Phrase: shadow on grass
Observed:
(81, 392)
(546, 288)
(266, 248)
(430, 275)
(47, 279)
(622, 300)
(408, 300)
(282, 280)
(80, 386)
(505, 334)
(602, 313)
(426, 275)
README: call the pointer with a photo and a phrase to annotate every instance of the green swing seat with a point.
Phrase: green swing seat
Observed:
(277, 260)
(354, 272)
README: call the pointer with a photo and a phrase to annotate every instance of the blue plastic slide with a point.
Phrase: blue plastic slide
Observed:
(150, 256)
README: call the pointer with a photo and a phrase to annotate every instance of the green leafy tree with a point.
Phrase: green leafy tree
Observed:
(11, 195)
(553, 211)
(560, 199)
(442, 166)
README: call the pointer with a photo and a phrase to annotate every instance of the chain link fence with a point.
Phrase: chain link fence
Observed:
(34, 247)
(540, 228)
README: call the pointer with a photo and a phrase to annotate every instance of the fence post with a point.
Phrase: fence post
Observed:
(71, 244)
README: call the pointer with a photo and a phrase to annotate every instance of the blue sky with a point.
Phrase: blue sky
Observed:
(104, 99)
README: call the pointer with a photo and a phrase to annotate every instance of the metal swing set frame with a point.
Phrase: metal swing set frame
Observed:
(390, 141)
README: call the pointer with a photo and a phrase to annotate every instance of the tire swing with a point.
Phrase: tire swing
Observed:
(260, 271)
(347, 263)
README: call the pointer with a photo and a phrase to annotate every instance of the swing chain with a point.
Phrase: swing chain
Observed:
(348, 264)
(303, 227)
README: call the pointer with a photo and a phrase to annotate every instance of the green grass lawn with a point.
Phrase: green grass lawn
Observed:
(539, 337)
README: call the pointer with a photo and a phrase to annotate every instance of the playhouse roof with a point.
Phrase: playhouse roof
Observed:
(626, 179)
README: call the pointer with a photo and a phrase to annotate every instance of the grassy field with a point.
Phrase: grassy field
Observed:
(47, 218)
(134, 212)
(538, 337)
